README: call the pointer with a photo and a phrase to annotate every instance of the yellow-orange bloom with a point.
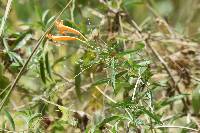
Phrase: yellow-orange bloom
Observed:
(62, 28)
(61, 38)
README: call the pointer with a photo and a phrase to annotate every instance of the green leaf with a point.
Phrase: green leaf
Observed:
(196, 99)
(42, 70)
(1, 69)
(10, 119)
(109, 119)
(77, 74)
(44, 17)
(48, 68)
(113, 73)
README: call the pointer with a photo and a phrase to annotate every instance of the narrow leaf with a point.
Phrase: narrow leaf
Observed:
(113, 73)
(44, 16)
(196, 99)
(109, 119)
(10, 119)
(78, 80)
(42, 70)
(48, 68)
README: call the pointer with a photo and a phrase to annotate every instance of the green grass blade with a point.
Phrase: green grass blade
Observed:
(8, 115)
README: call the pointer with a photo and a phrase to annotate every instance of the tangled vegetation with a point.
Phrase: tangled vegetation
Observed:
(111, 66)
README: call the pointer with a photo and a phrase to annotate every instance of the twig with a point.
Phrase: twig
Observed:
(3, 21)
(181, 127)
(33, 52)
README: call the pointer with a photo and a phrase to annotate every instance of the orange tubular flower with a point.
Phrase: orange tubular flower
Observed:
(62, 28)
(61, 38)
